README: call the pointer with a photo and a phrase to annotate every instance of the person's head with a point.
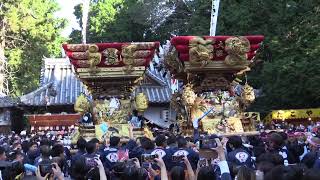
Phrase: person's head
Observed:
(96, 142)
(146, 143)
(16, 156)
(206, 173)
(135, 173)
(309, 159)
(25, 146)
(161, 141)
(135, 112)
(275, 141)
(273, 158)
(33, 146)
(79, 169)
(14, 171)
(45, 141)
(285, 173)
(235, 142)
(177, 173)
(91, 147)
(245, 173)
(114, 141)
(57, 151)
(81, 144)
(189, 139)
(59, 161)
(265, 166)
(17, 146)
(171, 140)
(3, 156)
(182, 142)
(314, 144)
(19, 157)
(118, 169)
(45, 151)
(283, 135)
(258, 150)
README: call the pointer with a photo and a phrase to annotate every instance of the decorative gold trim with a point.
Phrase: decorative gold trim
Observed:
(141, 54)
(172, 61)
(188, 95)
(201, 51)
(116, 72)
(82, 104)
(216, 66)
(80, 55)
(144, 45)
(77, 47)
(128, 57)
(237, 48)
(247, 94)
(112, 56)
(141, 102)
(94, 56)
(111, 69)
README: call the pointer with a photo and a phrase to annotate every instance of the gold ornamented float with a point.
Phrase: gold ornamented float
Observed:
(110, 72)
(207, 66)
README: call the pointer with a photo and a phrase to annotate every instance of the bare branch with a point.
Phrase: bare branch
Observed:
(18, 39)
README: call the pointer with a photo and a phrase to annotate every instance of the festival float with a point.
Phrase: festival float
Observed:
(110, 72)
(208, 66)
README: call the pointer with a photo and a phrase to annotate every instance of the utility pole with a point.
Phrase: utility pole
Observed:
(85, 14)
(214, 17)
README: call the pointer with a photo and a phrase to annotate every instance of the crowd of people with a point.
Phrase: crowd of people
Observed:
(282, 155)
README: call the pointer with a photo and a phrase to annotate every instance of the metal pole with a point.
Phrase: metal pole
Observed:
(214, 17)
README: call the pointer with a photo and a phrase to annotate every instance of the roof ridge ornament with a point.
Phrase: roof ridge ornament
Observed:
(237, 49)
(201, 51)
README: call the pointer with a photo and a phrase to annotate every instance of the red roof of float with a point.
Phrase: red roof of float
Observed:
(79, 56)
(182, 45)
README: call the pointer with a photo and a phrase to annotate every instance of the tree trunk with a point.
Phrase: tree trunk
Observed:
(3, 77)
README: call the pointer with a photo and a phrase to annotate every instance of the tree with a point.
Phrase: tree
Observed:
(199, 24)
(30, 31)
(134, 20)
(291, 78)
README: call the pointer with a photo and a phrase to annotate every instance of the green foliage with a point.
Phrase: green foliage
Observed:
(291, 78)
(199, 24)
(31, 31)
(137, 20)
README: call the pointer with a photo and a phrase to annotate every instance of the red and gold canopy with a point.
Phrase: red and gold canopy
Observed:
(218, 45)
(110, 54)
(210, 62)
(110, 68)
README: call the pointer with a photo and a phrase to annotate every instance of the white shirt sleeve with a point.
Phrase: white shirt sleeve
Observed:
(224, 168)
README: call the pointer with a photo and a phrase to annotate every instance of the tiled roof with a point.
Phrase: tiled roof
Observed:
(6, 101)
(156, 94)
(60, 86)
(160, 93)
